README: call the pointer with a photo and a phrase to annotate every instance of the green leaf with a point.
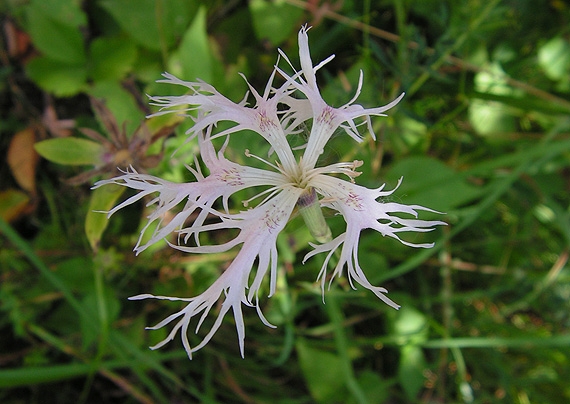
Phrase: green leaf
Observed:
(491, 117)
(409, 326)
(488, 117)
(193, 59)
(157, 122)
(34, 375)
(375, 388)
(322, 372)
(554, 58)
(77, 274)
(92, 304)
(411, 370)
(147, 68)
(96, 221)
(410, 329)
(274, 20)
(70, 151)
(430, 182)
(68, 12)
(60, 78)
(59, 40)
(120, 102)
(154, 24)
(111, 58)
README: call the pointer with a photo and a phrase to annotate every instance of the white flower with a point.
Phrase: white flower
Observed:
(293, 181)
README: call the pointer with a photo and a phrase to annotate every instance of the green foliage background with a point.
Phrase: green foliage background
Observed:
(482, 134)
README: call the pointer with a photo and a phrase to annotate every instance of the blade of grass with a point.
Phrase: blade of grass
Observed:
(526, 159)
(28, 252)
(97, 365)
(499, 342)
(104, 330)
(389, 36)
(501, 186)
(476, 22)
(31, 375)
(120, 346)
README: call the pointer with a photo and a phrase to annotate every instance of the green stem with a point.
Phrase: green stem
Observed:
(310, 210)
(341, 342)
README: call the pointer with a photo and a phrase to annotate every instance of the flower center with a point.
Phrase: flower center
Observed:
(308, 203)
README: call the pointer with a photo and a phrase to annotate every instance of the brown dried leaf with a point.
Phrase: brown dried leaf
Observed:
(23, 159)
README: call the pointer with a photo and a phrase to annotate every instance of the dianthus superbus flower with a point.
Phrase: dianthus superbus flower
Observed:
(292, 181)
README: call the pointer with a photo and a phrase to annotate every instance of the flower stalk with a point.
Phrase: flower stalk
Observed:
(310, 210)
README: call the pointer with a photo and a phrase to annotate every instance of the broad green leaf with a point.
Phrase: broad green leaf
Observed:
(111, 58)
(488, 117)
(68, 12)
(411, 370)
(491, 117)
(156, 123)
(431, 183)
(374, 387)
(410, 329)
(492, 80)
(236, 31)
(228, 79)
(413, 132)
(193, 59)
(154, 24)
(274, 20)
(70, 151)
(60, 78)
(77, 273)
(59, 40)
(96, 221)
(322, 372)
(148, 68)
(409, 326)
(554, 58)
(120, 102)
(92, 305)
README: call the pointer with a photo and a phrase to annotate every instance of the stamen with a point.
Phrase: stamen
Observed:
(272, 191)
(348, 169)
(248, 154)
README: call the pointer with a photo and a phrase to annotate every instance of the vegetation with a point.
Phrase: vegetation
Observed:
(483, 134)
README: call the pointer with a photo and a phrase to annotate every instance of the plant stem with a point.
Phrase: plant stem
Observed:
(333, 310)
